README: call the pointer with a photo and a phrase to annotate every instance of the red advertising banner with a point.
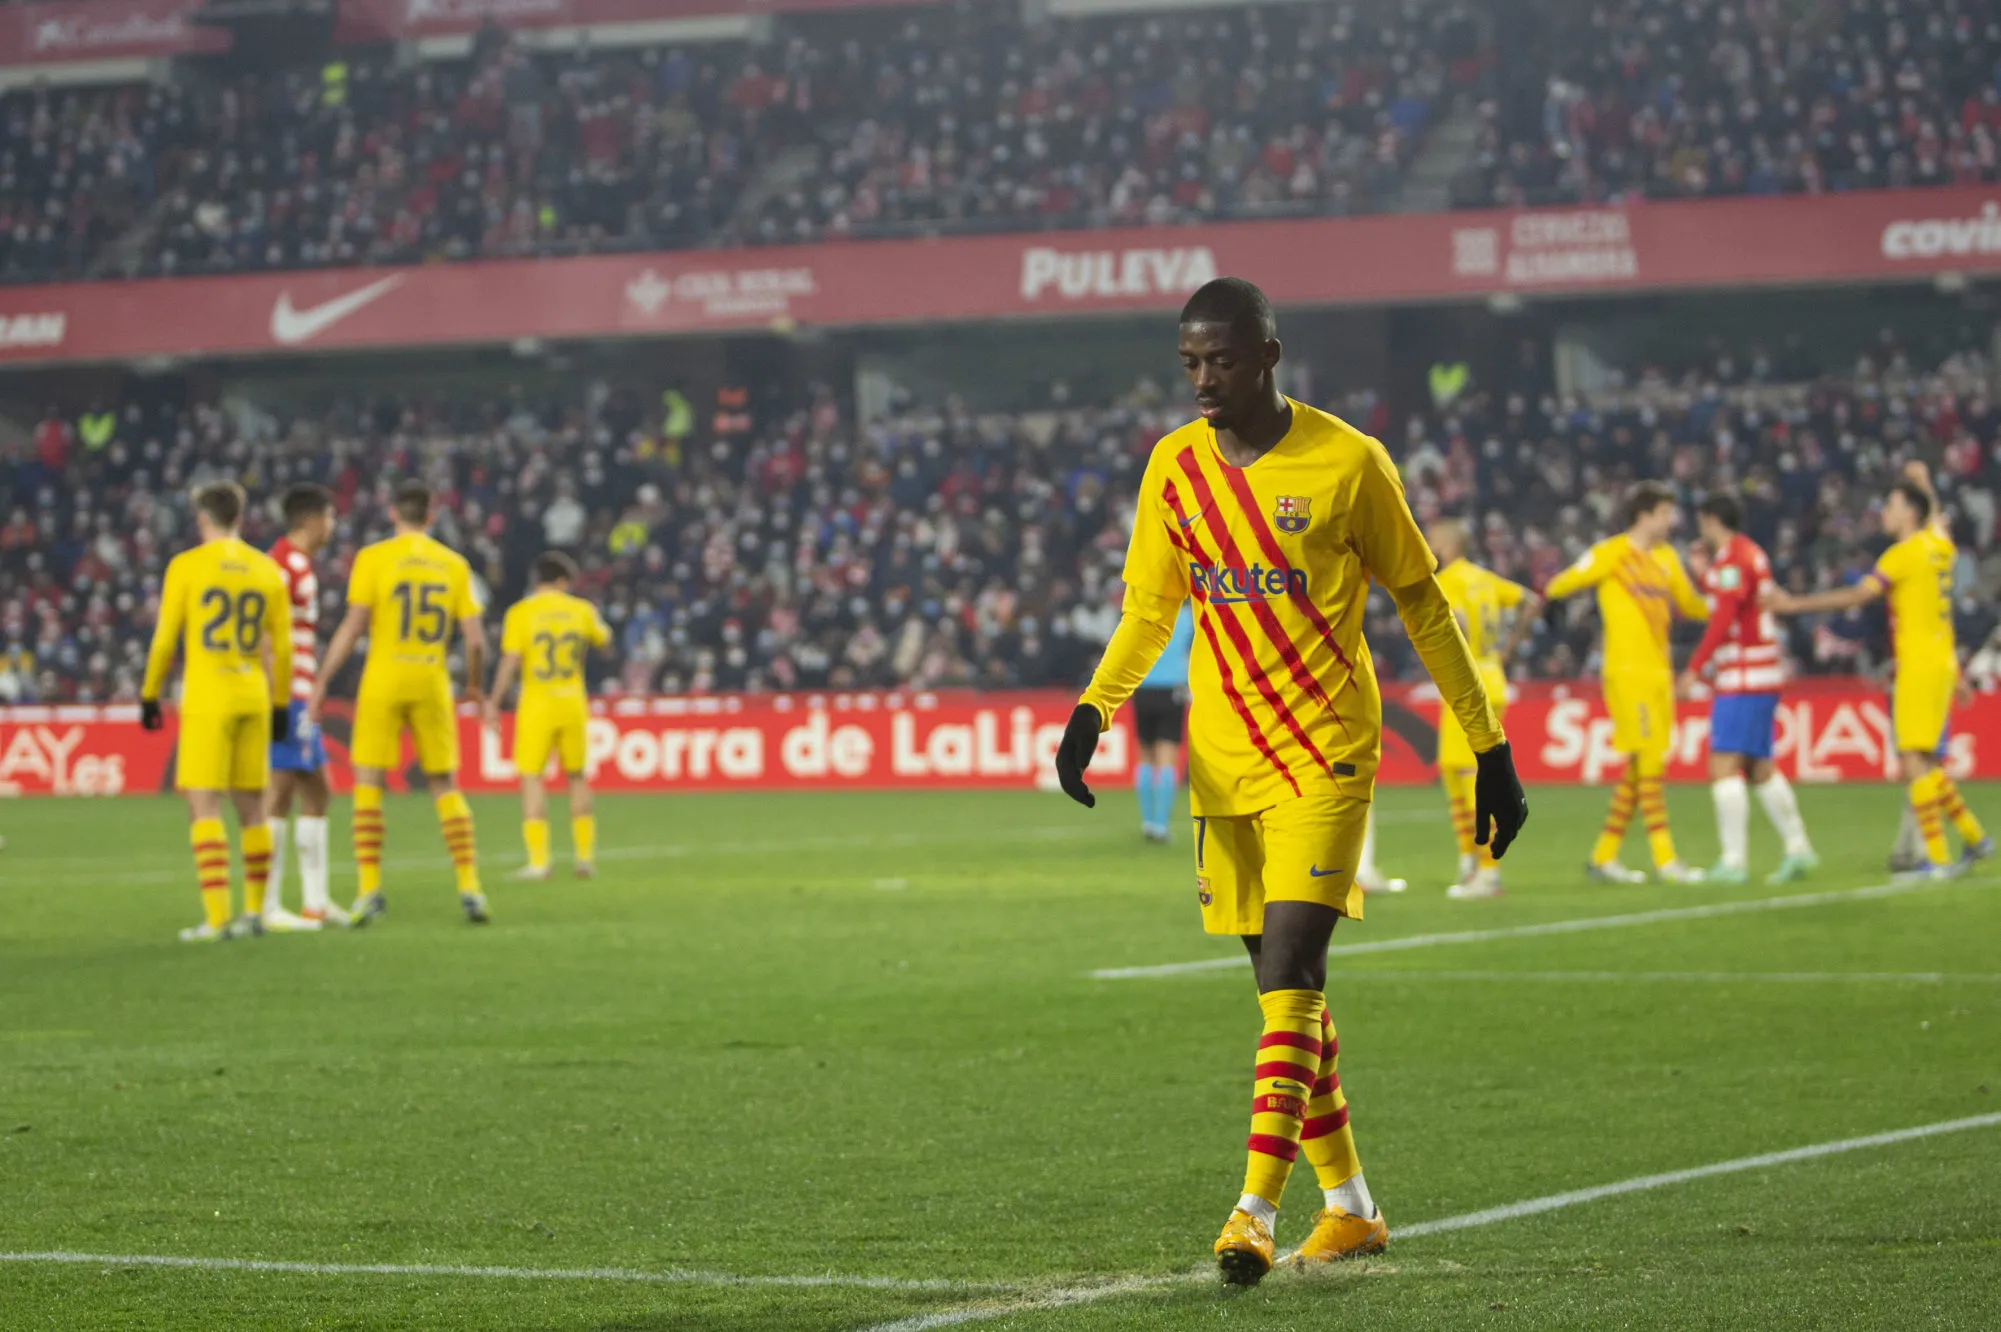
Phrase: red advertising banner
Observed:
(87, 30)
(1324, 261)
(363, 22)
(1829, 731)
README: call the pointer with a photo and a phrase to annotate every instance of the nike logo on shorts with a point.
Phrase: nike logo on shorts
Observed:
(1316, 872)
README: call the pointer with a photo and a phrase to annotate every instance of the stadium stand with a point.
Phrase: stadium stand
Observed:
(932, 546)
(1667, 98)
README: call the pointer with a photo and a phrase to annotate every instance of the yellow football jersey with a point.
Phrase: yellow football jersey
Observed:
(1916, 578)
(1639, 594)
(1480, 597)
(417, 590)
(225, 606)
(551, 632)
(1277, 559)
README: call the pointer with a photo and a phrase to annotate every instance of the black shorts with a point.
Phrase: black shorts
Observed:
(1158, 715)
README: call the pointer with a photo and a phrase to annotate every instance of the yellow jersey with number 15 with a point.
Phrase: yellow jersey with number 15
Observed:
(225, 605)
(552, 632)
(417, 590)
(1916, 578)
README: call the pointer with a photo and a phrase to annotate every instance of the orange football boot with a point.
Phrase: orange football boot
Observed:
(1338, 1234)
(1244, 1250)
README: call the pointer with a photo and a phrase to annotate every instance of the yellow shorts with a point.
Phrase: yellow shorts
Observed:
(1921, 705)
(1642, 708)
(1301, 851)
(224, 751)
(540, 728)
(1454, 749)
(431, 720)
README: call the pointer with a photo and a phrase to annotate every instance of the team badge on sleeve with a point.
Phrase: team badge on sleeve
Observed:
(1291, 513)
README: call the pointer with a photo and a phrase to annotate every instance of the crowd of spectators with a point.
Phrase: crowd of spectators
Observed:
(1674, 98)
(958, 118)
(781, 546)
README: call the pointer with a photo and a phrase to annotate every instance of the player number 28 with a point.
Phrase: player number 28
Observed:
(421, 611)
(244, 610)
(562, 655)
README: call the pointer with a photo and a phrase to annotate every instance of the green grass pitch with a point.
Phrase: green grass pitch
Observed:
(856, 1035)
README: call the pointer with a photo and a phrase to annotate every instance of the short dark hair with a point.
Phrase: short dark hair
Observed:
(1644, 498)
(553, 566)
(223, 502)
(413, 502)
(306, 501)
(1915, 496)
(1724, 508)
(1234, 303)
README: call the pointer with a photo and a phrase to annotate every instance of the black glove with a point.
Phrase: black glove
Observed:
(1500, 808)
(149, 714)
(1080, 741)
(281, 725)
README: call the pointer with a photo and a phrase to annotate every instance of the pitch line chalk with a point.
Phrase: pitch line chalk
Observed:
(1090, 1294)
(1580, 925)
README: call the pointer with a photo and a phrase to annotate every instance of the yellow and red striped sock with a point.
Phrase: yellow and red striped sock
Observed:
(368, 831)
(1927, 799)
(256, 866)
(1954, 808)
(1325, 1137)
(1617, 815)
(455, 817)
(1288, 1064)
(1653, 809)
(210, 842)
(1459, 796)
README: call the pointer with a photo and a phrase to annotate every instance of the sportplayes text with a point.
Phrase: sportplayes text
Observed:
(1829, 730)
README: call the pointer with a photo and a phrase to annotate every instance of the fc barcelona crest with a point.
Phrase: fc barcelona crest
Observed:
(1291, 513)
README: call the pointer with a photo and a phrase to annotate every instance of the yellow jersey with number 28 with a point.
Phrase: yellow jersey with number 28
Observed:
(225, 605)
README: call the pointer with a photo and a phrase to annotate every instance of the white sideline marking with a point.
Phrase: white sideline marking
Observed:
(1579, 925)
(671, 1276)
(1087, 1294)
(1700, 977)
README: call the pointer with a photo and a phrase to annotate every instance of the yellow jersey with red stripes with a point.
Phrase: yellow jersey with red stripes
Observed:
(1480, 598)
(1639, 594)
(1916, 578)
(1277, 558)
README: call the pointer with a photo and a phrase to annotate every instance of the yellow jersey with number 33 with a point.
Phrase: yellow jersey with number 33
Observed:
(552, 632)
(225, 605)
(417, 590)
(1916, 578)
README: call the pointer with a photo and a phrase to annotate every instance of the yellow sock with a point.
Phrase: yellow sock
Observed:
(1617, 815)
(584, 837)
(368, 837)
(211, 849)
(1927, 798)
(1653, 810)
(256, 866)
(1459, 798)
(1325, 1136)
(1288, 1064)
(455, 817)
(1954, 808)
(535, 837)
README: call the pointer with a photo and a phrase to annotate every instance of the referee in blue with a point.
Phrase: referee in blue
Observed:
(1160, 709)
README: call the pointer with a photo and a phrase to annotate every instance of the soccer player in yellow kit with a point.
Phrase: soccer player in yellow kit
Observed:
(224, 606)
(1641, 587)
(1915, 573)
(407, 593)
(544, 639)
(1482, 601)
(1274, 518)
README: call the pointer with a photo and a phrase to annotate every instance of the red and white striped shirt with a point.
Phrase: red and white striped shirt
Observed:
(1743, 637)
(304, 586)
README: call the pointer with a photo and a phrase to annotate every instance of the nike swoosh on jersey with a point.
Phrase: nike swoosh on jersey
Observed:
(1316, 872)
(290, 326)
(1193, 518)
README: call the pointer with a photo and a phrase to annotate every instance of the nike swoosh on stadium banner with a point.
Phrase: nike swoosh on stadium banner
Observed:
(1314, 871)
(290, 326)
